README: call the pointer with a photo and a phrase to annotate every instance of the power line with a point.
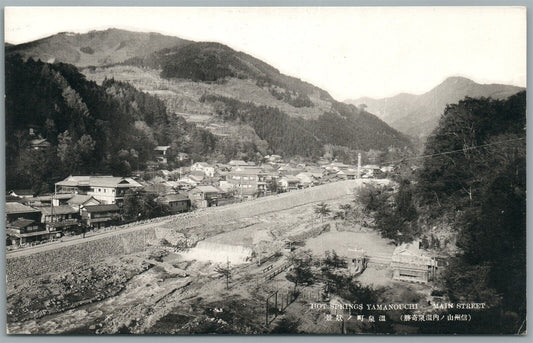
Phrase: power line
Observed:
(454, 151)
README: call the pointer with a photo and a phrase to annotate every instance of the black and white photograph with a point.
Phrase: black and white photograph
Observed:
(265, 170)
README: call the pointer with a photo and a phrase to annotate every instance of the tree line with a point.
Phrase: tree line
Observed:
(470, 185)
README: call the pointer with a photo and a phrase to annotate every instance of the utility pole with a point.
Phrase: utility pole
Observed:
(228, 273)
(359, 165)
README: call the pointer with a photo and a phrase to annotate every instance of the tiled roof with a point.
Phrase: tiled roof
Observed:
(207, 189)
(174, 197)
(49, 197)
(101, 208)
(79, 199)
(64, 209)
(21, 223)
(15, 207)
(99, 181)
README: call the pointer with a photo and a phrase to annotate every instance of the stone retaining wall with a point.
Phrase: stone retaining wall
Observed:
(83, 253)
(128, 240)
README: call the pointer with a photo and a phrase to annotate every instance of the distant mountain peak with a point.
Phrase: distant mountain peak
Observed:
(455, 79)
(96, 47)
(417, 115)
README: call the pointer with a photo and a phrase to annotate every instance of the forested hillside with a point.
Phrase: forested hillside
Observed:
(110, 129)
(207, 61)
(477, 175)
(277, 112)
(306, 137)
(468, 201)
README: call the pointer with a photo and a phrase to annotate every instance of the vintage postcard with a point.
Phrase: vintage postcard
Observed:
(265, 170)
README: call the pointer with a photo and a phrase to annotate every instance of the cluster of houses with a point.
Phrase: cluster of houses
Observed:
(96, 201)
(90, 201)
(211, 183)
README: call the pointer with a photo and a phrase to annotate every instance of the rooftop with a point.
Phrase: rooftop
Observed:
(21, 223)
(15, 207)
(101, 208)
(99, 181)
(174, 197)
(55, 210)
(207, 189)
(79, 199)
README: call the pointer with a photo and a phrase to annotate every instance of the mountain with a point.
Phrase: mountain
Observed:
(94, 47)
(249, 106)
(111, 128)
(418, 115)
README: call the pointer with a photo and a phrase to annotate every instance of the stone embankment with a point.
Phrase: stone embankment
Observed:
(137, 237)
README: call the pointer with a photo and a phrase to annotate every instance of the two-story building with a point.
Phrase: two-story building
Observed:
(78, 201)
(204, 196)
(411, 265)
(97, 216)
(59, 218)
(347, 174)
(289, 183)
(106, 189)
(177, 203)
(247, 182)
(161, 153)
(16, 210)
(23, 231)
(205, 168)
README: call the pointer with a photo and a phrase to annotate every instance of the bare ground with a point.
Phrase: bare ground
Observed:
(161, 292)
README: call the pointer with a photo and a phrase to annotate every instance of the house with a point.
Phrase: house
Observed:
(177, 203)
(323, 161)
(204, 196)
(205, 168)
(187, 183)
(97, 216)
(268, 168)
(161, 153)
(287, 169)
(289, 183)
(196, 176)
(306, 179)
(347, 174)
(159, 188)
(59, 218)
(23, 231)
(247, 182)
(48, 200)
(371, 170)
(39, 144)
(15, 210)
(225, 186)
(78, 201)
(387, 169)
(182, 157)
(356, 261)
(273, 158)
(409, 264)
(237, 163)
(106, 189)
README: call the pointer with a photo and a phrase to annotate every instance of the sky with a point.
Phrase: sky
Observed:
(348, 51)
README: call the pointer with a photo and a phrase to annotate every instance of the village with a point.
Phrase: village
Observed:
(261, 247)
(211, 265)
(83, 203)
